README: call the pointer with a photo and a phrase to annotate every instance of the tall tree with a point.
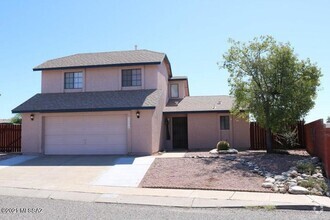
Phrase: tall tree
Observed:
(17, 119)
(270, 83)
(328, 119)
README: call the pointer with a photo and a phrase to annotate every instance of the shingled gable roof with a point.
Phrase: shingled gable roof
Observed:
(102, 59)
(91, 101)
(191, 104)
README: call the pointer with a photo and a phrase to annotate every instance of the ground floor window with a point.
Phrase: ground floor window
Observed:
(224, 122)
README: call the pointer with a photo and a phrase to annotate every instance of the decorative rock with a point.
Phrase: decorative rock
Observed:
(255, 170)
(316, 192)
(282, 190)
(294, 173)
(229, 158)
(298, 190)
(214, 151)
(292, 181)
(229, 151)
(279, 177)
(292, 184)
(275, 188)
(304, 176)
(267, 185)
(270, 180)
(299, 178)
(315, 160)
(268, 174)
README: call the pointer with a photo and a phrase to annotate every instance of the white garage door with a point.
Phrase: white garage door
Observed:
(85, 134)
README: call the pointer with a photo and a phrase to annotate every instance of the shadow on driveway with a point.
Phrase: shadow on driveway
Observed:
(85, 160)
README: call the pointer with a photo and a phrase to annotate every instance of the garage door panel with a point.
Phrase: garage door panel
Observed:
(85, 135)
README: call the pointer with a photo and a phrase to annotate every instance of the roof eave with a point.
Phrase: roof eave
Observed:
(96, 66)
(85, 110)
(197, 111)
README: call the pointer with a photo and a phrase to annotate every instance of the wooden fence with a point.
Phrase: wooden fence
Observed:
(10, 138)
(258, 139)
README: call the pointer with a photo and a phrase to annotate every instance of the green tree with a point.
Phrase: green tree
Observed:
(328, 119)
(17, 119)
(270, 83)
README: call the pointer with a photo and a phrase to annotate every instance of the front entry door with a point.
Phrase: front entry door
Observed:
(180, 133)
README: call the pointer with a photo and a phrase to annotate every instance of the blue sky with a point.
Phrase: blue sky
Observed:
(192, 33)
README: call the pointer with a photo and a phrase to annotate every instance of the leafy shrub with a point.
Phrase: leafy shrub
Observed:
(307, 168)
(222, 145)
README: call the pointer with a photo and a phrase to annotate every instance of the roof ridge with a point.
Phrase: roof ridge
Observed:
(116, 51)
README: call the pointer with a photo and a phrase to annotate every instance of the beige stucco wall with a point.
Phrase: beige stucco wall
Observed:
(31, 134)
(138, 140)
(144, 133)
(203, 131)
(105, 79)
(141, 130)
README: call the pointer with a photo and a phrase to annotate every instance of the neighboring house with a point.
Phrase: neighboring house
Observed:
(123, 102)
(5, 121)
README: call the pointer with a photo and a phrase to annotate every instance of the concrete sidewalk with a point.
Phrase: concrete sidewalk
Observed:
(176, 197)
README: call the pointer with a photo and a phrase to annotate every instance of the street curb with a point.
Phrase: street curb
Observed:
(129, 199)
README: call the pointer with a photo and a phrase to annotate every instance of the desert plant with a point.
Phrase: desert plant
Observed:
(314, 183)
(222, 145)
(307, 168)
(288, 139)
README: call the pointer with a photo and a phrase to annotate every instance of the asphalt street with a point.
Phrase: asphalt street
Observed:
(33, 208)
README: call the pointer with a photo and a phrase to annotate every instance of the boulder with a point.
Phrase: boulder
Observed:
(294, 173)
(270, 180)
(229, 151)
(275, 188)
(279, 177)
(282, 190)
(267, 185)
(299, 178)
(298, 190)
(214, 151)
(317, 192)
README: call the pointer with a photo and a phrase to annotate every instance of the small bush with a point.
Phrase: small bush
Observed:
(222, 145)
(307, 168)
(314, 183)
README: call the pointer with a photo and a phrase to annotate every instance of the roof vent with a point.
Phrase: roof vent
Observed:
(135, 47)
(219, 103)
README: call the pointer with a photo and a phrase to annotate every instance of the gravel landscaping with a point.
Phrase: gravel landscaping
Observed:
(202, 173)
(245, 171)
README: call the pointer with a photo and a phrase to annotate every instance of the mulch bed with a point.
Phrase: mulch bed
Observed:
(216, 173)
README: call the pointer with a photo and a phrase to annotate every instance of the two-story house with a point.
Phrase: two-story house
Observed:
(125, 102)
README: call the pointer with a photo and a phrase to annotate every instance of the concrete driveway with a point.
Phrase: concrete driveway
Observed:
(72, 172)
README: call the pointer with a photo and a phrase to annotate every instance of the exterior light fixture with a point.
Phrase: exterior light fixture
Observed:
(138, 114)
(32, 117)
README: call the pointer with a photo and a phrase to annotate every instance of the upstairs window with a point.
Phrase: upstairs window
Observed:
(224, 122)
(131, 77)
(174, 91)
(73, 80)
